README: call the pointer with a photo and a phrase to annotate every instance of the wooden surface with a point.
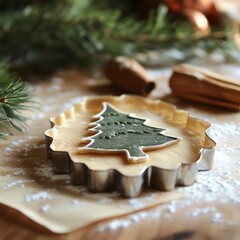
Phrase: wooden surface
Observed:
(188, 218)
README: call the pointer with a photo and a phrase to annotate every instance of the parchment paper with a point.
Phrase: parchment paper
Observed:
(28, 184)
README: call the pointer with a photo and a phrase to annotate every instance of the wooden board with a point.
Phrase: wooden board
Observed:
(211, 207)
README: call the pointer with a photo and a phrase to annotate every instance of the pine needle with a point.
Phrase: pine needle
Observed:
(14, 98)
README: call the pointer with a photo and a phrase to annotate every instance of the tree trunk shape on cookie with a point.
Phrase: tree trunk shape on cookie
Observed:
(119, 132)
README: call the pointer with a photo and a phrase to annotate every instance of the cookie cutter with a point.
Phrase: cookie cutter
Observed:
(150, 177)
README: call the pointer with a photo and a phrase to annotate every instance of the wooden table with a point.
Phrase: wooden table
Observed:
(211, 207)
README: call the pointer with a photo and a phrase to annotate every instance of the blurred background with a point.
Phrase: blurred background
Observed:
(156, 32)
(38, 37)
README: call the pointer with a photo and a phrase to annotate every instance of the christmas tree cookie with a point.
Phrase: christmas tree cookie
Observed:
(119, 132)
(128, 144)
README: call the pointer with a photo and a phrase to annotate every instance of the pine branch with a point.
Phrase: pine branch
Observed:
(78, 31)
(14, 98)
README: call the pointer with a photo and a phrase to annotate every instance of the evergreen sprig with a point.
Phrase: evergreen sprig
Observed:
(78, 31)
(14, 98)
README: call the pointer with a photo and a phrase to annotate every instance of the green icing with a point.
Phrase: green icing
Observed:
(119, 131)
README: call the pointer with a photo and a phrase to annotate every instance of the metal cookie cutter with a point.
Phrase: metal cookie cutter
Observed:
(101, 171)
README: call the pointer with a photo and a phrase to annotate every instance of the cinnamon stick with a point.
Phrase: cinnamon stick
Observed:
(202, 85)
(129, 75)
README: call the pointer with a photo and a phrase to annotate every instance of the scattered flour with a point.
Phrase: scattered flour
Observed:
(45, 208)
(126, 222)
(224, 131)
(45, 171)
(138, 203)
(37, 196)
(23, 146)
(201, 211)
(75, 202)
(17, 183)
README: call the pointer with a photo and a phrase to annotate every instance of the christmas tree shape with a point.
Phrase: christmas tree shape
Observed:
(115, 131)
